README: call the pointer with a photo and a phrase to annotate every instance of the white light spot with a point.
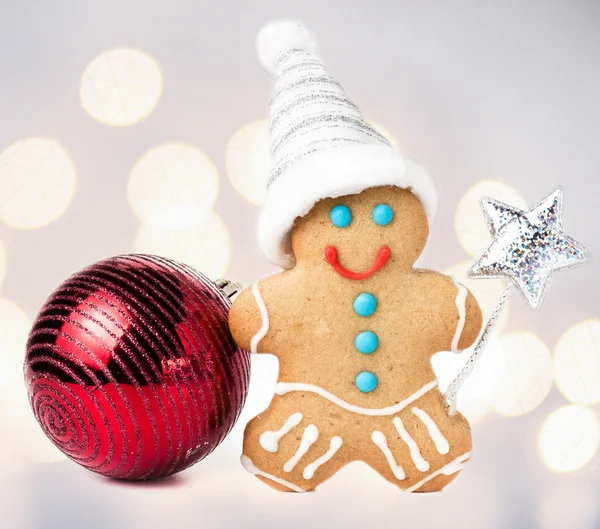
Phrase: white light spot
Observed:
(205, 246)
(120, 87)
(469, 222)
(569, 438)
(385, 132)
(173, 186)
(577, 362)
(247, 161)
(37, 182)
(14, 329)
(474, 396)
(527, 376)
(487, 292)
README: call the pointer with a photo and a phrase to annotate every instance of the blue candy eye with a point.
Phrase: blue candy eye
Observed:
(340, 216)
(382, 214)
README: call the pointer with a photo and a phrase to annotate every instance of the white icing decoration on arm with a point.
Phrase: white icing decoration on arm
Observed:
(334, 446)
(270, 440)
(281, 388)
(415, 453)
(461, 298)
(309, 437)
(250, 467)
(451, 468)
(441, 443)
(379, 439)
(264, 314)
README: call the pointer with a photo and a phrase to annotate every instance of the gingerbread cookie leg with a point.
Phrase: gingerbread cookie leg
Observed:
(421, 448)
(292, 450)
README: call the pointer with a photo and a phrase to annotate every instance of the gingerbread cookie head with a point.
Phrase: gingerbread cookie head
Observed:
(352, 324)
(380, 230)
(321, 146)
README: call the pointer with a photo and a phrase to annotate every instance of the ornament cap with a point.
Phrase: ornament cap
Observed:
(229, 288)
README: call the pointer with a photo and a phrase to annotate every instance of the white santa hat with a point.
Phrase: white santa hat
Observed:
(320, 144)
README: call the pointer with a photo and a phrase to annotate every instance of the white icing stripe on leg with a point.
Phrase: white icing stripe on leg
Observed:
(310, 435)
(281, 388)
(264, 314)
(461, 298)
(334, 446)
(415, 453)
(451, 468)
(270, 440)
(255, 471)
(440, 442)
(379, 439)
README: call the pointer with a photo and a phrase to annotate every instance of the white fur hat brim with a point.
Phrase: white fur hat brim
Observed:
(334, 173)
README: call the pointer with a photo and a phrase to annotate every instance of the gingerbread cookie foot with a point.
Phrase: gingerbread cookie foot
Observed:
(442, 477)
(269, 479)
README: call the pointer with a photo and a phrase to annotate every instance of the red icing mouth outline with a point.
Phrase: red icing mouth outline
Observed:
(382, 259)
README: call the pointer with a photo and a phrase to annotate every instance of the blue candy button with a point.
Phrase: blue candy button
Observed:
(382, 214)
(366, 381)
(365, 304)
(366, 342)
(340, 216)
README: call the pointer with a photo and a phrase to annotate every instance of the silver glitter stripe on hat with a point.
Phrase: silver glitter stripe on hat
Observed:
(325, 119)
(296, 53)
(305, 82)
(328, 131)
(312, 64)
(291, 160)
(307, 100)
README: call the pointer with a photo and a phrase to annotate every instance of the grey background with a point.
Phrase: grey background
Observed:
(474, 90)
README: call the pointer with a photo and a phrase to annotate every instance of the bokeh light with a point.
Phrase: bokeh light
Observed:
(14, 328)
(120, 87)
(173, 186)
(205, 246)
(474, 396)
(387, 134)
(577, 362)
(469, 222)
(569, 438)
(527, 376)
(37, 183)
(487, 291)
(247, 161)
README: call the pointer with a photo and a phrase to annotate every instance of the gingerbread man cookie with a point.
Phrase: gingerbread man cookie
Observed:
(352, 324)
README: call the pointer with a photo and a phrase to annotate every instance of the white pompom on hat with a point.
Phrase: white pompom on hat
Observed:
(321, 147)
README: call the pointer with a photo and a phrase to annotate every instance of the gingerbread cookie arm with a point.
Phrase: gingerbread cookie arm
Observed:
(469, 319)
(460, 314)
(249, 320)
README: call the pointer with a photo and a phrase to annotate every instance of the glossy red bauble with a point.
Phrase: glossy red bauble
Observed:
(131, 369)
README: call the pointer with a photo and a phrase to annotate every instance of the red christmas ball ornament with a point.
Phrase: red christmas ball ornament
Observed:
(131, 369)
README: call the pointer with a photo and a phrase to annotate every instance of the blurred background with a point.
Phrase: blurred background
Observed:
(141, 126)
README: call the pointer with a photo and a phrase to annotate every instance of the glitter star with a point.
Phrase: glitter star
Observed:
(528, 246)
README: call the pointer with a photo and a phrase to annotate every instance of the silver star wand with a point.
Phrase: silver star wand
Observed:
(527, 248)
